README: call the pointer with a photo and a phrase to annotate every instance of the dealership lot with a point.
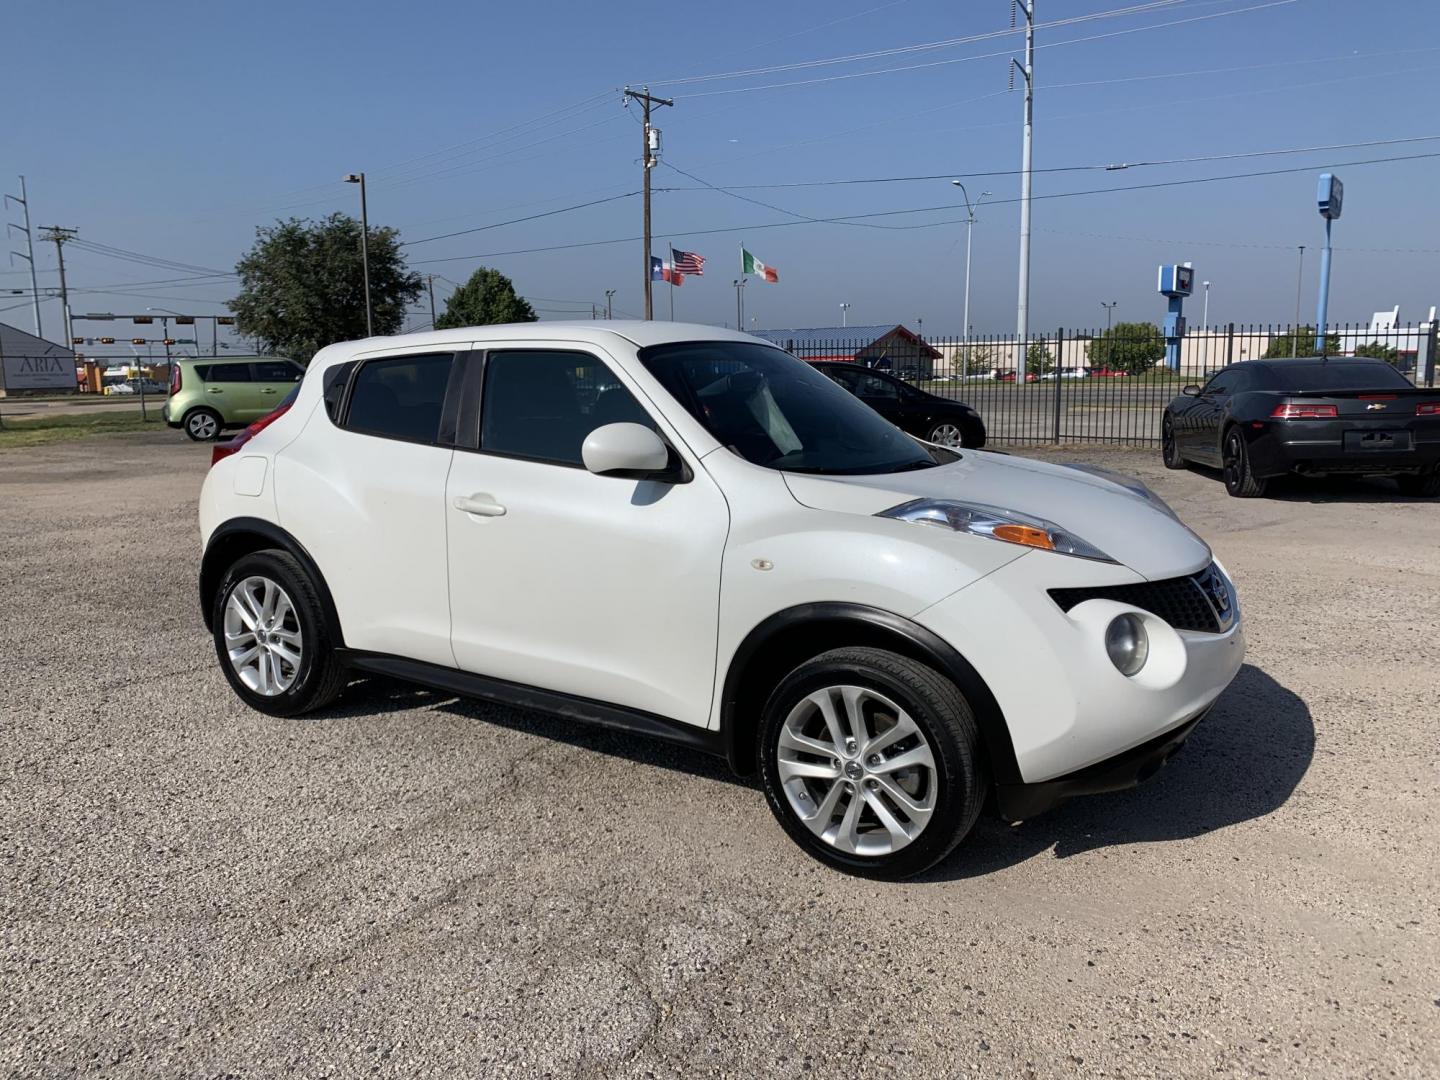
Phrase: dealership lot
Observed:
(413, 886)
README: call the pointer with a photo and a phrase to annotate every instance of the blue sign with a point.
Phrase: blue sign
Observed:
(1176, 280)
(1330, 196)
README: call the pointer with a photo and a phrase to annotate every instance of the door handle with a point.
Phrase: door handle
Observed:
(483, 505)
(214, 390)
(268, 390)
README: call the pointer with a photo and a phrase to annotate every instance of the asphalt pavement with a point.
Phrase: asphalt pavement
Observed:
(406, 885)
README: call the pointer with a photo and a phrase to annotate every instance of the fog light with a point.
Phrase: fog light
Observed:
(1127, 643)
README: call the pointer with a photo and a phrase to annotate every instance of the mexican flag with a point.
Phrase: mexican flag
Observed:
(755, 268)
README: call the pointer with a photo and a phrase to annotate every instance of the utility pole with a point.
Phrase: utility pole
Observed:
(1299, 280)
(649, 159)
(609, 303)
(61, 236)
(24, 202)
(1022, 311)
(359, 178)
(431, 278)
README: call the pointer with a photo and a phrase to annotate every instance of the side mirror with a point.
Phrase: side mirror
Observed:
(630, 451)
(1190, 391)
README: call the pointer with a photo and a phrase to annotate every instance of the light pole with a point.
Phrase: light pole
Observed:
(1109, 342)
(609, 303)
(844, 315)
(739, 284)
(359, 178)
(1205, 318)
(1299, 280)
(969, 229)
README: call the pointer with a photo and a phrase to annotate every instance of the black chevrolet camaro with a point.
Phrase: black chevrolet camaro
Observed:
(927, 416)
(1313, 416)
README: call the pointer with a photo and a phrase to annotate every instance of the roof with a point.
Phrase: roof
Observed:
(827, 335)
(589, 331)
(17, 342)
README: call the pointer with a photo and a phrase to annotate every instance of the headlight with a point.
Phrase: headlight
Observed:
(1127, 643)
(996, 524)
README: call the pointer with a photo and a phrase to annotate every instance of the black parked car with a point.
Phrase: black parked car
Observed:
(1313, 416)
(928, 416)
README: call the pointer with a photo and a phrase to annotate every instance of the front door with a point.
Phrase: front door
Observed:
(597, 586)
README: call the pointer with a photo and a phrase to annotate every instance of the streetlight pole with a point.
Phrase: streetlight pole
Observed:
(1299, 280)
(609, 303)
(1022, 312)
(1109, 341)
(359, 178)
(1205, 319)
(969, 231)
(739, 284)
(844, 315)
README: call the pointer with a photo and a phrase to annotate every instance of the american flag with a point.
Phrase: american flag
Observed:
(687, 262)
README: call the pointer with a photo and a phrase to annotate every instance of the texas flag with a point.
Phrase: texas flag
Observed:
(663, 271)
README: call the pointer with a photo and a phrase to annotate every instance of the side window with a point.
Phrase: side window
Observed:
(399, 397)
(872, 386)
(219, 373)
(272, 371)
(541, 405)
(336, 379)
(203, 370)
(1221, 384)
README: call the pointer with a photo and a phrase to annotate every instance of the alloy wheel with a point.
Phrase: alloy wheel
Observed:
(1230, 461)
(857, 770)
(262, 636)
(203, 426)
(946, 435)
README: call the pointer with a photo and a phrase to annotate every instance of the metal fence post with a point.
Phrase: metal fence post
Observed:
(1059, 372)
(1430, 338)
(1229, 344)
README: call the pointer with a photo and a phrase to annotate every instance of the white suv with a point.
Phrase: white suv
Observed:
(687, 533)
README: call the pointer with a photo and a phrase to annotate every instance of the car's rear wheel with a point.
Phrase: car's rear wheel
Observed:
(1169, 450)
(1425, 485)
(871, 762)
(202, 425)
(271, 636)
(948, 435)
(1240, 479)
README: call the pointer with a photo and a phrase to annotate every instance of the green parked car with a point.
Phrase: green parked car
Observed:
(209, 395)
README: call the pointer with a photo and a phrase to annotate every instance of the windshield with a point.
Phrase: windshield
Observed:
(1328, 375)
(777, 411)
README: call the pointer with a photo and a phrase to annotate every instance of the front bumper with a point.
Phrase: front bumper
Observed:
(1065, 706)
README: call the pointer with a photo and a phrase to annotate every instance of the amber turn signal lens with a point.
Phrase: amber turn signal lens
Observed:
(1025, 534)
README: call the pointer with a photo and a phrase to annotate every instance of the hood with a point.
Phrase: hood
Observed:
(1119, 521)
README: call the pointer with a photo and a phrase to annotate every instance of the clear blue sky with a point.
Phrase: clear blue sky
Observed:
(173, 129)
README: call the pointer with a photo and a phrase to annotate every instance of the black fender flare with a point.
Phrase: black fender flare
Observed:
(240, 536)
(807, 630)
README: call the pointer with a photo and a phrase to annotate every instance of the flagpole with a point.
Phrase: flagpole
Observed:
(672, 282)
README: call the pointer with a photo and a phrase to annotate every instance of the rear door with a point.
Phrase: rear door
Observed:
(271, 380)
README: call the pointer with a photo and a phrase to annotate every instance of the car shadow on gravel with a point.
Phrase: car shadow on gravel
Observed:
(1243, 762)
(1325, 489)
(375, 695)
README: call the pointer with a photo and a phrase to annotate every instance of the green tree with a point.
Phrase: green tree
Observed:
(1299, 342)
(488, 297)
(302, 286)
(1378, 350)
(1132, 347)
(1038, 359)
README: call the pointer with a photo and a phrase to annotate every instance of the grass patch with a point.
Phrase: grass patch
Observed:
(40, 431)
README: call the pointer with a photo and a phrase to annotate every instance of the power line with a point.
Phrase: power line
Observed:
(992, 55)
(843, 219)
(517, 221)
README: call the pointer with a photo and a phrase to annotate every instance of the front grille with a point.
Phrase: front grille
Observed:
(1200, 602)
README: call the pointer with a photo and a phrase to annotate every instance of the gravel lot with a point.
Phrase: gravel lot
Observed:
(407, 885)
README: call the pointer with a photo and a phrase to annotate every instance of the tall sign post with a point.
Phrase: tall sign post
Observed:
(1177, 281)
(1329, 197)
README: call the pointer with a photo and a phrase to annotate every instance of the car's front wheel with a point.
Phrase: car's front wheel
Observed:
(271, 636)
(871, 762)
(202, 425)
(1169, 450)
(948, 435)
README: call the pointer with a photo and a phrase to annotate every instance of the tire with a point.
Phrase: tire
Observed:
(1423, 486)
(290, 688)
(1240, 481)
(947, 435)
(1169, 451)
(202, 425)
(906, 709)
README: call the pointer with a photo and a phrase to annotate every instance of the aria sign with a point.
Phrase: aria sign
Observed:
(39, 372)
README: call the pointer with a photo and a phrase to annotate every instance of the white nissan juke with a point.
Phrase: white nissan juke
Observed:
(687, 533)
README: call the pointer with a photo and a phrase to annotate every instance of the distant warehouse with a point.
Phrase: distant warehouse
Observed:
(887, 348)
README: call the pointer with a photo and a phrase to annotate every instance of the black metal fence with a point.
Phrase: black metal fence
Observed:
(1101, 386)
